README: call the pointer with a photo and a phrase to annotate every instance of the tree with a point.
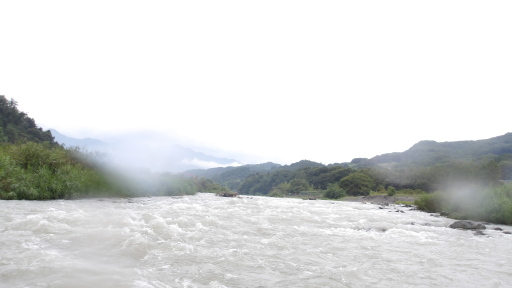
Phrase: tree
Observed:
(391, 191)
(280, 190)
(357, 184)
(297, 185)
(334, 191)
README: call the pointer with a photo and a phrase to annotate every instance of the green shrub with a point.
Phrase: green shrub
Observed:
(356, 184)
(430, 202)
(334, 191)
(275, 193)
(391, 191)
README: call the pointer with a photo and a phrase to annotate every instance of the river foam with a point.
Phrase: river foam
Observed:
(209, 241)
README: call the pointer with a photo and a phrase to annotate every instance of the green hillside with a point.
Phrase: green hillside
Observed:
(232, 177)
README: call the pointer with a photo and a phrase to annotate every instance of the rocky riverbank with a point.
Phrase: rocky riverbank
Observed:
(381, 199)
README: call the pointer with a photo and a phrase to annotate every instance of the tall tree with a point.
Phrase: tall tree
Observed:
(357, 184)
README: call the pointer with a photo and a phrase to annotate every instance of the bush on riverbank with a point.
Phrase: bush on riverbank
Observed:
(493, 204)
(334, 191)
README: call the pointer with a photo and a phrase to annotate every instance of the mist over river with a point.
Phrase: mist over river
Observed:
(209, 241)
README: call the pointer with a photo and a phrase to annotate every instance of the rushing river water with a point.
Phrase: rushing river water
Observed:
(209, 241)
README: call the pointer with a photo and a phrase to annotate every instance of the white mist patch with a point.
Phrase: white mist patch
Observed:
(163, 157)
(149, 150)
(208, 164)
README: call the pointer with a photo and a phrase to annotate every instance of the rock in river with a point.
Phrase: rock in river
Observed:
(467, 224)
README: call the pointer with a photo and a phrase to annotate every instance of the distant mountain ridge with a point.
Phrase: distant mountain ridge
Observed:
(428, 153)
(146, 150)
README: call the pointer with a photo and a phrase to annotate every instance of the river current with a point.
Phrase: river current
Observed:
(209, 241)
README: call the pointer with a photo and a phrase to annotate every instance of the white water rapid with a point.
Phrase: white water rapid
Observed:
(209, 241)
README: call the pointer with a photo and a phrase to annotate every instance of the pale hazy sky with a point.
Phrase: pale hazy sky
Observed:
(274, 80)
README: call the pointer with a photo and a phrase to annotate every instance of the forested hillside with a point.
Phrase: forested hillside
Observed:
(232, 177)
(314, 178)
(427, 166)
(16, 126)
(261, 178)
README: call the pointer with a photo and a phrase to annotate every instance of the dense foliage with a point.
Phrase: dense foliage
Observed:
(334, 192)
(293, 187)
(311, 178)
(232, 177)
(16, 126)
(357, 184)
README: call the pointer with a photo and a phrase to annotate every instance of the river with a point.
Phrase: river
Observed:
(209, 241)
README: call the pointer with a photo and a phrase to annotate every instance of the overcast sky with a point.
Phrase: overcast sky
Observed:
(278, 81)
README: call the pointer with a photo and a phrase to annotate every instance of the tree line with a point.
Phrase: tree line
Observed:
(361, 181)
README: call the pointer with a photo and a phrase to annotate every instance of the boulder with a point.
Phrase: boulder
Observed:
(467, 225)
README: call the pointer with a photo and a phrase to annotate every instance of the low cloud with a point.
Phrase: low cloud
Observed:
(208, 164)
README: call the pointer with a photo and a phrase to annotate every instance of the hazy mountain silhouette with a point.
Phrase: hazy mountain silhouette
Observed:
(428, 153)
(147, 150)
(88, 143)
